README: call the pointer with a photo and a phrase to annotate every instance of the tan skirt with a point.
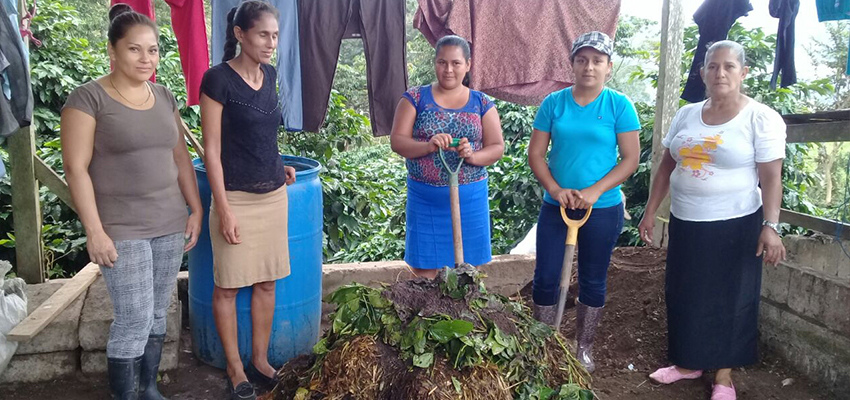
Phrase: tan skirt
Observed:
(263, 254)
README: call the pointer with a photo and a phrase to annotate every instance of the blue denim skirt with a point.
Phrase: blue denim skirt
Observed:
(428, 242)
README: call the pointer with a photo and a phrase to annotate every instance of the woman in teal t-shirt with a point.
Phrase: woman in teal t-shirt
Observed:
(586, 124)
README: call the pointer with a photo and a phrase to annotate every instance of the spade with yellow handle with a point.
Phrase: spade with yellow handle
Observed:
(569, 253)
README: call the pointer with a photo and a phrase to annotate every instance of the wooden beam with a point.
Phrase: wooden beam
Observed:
(823, 225)
(53, 306)
(26, 208)
(191, 138)
(834, 131)
(819, 116)
(667, 97)
(53, 181)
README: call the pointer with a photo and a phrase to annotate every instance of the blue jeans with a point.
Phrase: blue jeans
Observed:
(596, 241)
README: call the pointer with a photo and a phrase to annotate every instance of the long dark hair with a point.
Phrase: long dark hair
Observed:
(244, 16)
(122, 18)
(454, 40)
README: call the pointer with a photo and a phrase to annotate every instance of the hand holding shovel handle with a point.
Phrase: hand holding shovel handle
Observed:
(569, 253)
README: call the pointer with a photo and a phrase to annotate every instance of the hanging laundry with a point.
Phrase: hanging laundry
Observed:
(786, 11)
(322, 27)
(12, 8)
(15, 110)
(189, 25)
(515, 59)
(288, 55)
(5, 85)
(714, 19)
(190, 28)
(834, 10)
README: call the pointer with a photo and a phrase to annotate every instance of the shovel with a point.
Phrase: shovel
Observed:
(454, 196)
(569, 253)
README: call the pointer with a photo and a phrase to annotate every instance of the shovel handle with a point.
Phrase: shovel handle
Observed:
(564, 286)
(454, 196)
(457, 237)
(573, 225)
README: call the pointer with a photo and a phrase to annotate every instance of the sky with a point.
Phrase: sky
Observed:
(807, 25)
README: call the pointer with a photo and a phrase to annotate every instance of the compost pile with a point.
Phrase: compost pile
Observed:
(446, 338)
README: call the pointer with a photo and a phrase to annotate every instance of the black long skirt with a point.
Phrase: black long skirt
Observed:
(712, 291)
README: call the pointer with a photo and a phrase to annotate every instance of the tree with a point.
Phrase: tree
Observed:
(634, 45)
(831, 54)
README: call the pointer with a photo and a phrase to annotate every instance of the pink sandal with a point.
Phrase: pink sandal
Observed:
(670, 374)
(720, 392)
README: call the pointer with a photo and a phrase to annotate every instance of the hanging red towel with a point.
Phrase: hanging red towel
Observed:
(189, 24)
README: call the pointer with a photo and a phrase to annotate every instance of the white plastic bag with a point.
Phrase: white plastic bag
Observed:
(528, 245)
(13, 310)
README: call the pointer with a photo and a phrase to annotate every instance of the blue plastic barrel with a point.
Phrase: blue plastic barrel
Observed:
(297, 311)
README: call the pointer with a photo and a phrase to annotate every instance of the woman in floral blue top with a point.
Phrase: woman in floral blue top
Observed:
(426, 120)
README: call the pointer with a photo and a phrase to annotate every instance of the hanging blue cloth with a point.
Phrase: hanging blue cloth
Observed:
(834, 10)
(288, 55)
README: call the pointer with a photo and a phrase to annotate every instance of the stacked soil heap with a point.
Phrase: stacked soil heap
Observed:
(446, 338)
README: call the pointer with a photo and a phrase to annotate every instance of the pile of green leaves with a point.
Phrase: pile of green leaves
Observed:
(362, 310)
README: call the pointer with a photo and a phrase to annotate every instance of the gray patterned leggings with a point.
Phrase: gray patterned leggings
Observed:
(140, 284)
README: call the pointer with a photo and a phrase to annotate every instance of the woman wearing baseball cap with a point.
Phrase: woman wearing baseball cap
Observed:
(586, 125)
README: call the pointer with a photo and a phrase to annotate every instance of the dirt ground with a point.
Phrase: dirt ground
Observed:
(632, 342)
(633, 334)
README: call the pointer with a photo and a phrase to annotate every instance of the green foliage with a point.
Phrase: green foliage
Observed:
(344, 129)
(636, 188)
(361, 310)
(365, 197)
(515, 194)
(831, 53)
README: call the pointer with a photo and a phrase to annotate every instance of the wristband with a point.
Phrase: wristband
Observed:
(771, 225)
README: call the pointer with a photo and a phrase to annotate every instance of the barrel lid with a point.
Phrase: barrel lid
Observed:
(304, 166)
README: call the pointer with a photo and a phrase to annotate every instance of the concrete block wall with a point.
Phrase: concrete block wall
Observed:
(76, 339)
(805, 310)
(54, 352)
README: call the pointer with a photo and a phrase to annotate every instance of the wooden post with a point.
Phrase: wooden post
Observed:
(25, 203)
(667, 98)
(26, 206)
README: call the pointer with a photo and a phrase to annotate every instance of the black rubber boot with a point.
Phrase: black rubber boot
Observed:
(124, 377)
(150, 369)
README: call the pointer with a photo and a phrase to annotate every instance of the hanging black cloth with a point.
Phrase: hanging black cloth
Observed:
(786, 11)
(714, 19)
